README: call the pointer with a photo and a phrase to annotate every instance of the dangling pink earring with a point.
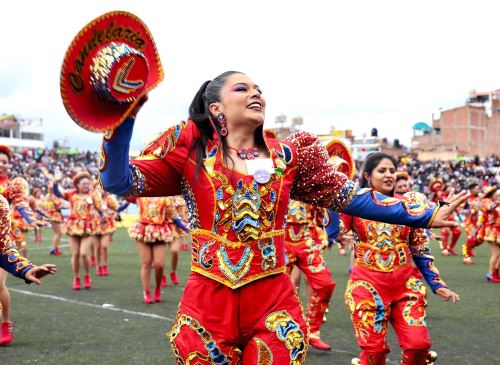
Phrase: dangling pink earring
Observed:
(222, 122)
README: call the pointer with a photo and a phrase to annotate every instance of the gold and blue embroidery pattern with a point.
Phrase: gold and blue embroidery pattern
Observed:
(290, 333)
(234, 272)
(216, 356)
(370, 312)
(246, 206)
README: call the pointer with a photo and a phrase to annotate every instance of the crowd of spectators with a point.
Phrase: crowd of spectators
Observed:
(28, 164)
(459, 174)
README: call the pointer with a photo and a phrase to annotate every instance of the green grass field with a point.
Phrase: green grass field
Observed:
(56, 325)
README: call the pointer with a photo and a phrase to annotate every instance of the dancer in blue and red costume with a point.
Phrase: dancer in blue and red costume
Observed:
(239, 305)
(17, 193)
(383, 285)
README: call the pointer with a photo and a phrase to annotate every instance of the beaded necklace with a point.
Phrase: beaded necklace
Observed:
(245, 154)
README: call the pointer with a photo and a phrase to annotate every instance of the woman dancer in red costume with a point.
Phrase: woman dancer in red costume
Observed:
(81, 224)
(384, 286)
(10, 259)
(37, 205)
(179, 231)
(53, 210)
(152, 233)
(472, 208)
(109, 208)
(239, 305)
(489, 230)
(305, 241)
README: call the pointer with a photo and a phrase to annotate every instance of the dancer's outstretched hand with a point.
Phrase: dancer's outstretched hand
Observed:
(38, 272)
(447, 294)
(447, 207)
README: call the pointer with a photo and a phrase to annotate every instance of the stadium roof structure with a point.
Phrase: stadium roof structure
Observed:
(422, 126)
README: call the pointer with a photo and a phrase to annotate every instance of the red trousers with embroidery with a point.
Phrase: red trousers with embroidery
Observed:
(376, 298)
(259, 323)
(455, 233)
(309, 259)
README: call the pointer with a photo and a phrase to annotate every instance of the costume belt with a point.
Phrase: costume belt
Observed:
(235, 264)
(386, 259)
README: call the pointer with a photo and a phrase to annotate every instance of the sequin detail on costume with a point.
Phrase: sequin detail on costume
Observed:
(217, 357)
(206, 255)
(288, 331)
(264, 354)
(343, 197)
(245, 216)
(231, 271)
(317, 181)
(138, 182)
(370, 312)
(163, 144)
(268, 251)
(209, 161)
(103, 162)
(172, 136)
(286, 154)
(416, 286)
(192, 208)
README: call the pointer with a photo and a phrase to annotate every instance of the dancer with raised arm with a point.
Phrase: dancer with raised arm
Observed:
(238, 304)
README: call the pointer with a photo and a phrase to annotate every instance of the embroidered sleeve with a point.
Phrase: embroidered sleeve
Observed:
(10, 259)
(333, 225)
(412, 211)
(158, 169)
(421, 253)
(317, 182)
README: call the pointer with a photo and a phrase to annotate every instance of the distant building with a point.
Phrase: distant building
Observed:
(468, 130)
(19, 134)
(360, 147)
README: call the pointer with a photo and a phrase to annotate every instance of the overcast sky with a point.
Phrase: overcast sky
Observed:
(348, 64)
